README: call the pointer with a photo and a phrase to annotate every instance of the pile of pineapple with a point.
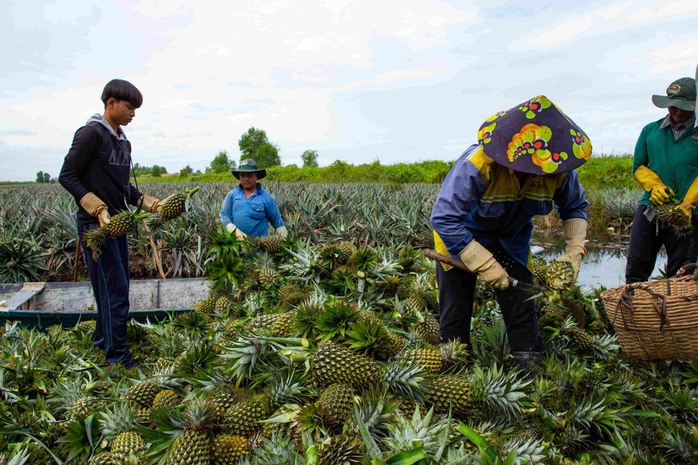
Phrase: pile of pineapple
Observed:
(329, 354)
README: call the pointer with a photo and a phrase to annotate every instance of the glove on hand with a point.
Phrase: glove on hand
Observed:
(150, 204)
(239, 235)
(282, 231)
(478, 259)
(95, 207)
(690, 201)
(648, 179)
(574, 232)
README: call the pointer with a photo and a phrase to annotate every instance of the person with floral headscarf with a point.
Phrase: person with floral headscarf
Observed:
(524, 164)
(665, 164)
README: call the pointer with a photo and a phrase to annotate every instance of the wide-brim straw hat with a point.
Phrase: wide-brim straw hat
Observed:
(249, 166)
(534, 137)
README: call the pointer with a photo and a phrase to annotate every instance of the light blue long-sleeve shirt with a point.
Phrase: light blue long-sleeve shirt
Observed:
(485, 201)
(252, 214)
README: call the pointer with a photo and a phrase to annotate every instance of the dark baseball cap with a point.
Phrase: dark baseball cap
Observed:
(680, 94)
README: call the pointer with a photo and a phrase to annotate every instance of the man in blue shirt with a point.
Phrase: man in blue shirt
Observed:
(247, 209)
(483, 216)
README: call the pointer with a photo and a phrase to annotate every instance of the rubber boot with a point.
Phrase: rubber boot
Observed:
(528, 362)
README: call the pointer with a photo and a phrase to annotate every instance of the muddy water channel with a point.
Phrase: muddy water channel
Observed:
(605, 267)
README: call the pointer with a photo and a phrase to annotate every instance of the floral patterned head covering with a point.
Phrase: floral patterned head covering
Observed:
(534, 137)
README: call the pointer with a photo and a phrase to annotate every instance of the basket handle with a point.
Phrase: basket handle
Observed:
(625, 302)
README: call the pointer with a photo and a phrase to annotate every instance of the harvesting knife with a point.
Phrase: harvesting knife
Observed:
(571, 305)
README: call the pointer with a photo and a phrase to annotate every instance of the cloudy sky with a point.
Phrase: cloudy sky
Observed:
(355, 80)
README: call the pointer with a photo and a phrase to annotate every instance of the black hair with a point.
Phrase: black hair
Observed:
(122, 90)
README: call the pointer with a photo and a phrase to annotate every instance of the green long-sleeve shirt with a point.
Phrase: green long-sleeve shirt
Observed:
(674, 161)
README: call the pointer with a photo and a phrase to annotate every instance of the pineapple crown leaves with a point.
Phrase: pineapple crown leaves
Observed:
(245, 353)
(199, 414)
(117, 419)
(405, 432)
(81, 438)
(405, 380)
(374, 410)
(502, 393)
(336, 320)
(288, 388)
(369, 337)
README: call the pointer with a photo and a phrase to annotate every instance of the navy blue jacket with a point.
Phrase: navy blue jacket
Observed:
(99, 162)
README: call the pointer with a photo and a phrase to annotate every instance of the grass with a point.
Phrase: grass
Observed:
(602, 171)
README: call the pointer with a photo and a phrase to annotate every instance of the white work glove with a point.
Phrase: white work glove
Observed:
(282, 231)
(478, 259)
(95, 207)
(239, 235)
(574, 231)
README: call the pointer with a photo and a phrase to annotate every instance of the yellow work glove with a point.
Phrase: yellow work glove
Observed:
(690, 200)
(150, 204)
(282, 231)
(239, 235)
(648, 179)
(574, 231)
(95, 207)
(478, 259)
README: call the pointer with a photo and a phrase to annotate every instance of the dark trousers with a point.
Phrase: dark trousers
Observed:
(109, 277)
(645, 242)
(456, 297)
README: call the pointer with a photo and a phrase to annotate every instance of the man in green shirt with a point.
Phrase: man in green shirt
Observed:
(665, 164)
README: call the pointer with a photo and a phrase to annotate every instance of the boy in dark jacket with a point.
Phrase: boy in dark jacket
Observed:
(96, 173)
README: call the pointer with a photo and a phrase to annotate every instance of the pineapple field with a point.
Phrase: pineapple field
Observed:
(323, 348)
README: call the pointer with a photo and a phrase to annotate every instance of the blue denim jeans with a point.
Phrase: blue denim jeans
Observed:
(456, 297)
(109, 277)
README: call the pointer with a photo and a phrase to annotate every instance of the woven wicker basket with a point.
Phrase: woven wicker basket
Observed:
(656, 319)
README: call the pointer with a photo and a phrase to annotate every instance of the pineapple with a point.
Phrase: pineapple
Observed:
(335, 363)
(84, 406)
(428, 329)
(118, 427)
(267, 276)
(342, 449)
(451, 393)
(270, 244)
(207, 305)
(119, 225)
(142, 394)
(338, 400)
(243, 418)
(127, 444)
(671, 215)
(228, 449)
(165, 399)
(577, 337)
(346, 250)
(455, 356)
(223, 304)
(539, 269)
(103, 458)
(278, 324)
(88, 326)
(194, 446)
(290, 294)
(176, 204)
(428, 359)
(560, 275)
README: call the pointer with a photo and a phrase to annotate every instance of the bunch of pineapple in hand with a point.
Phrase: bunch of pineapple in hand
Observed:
(119, 225)
(172, 207)
(671, 214)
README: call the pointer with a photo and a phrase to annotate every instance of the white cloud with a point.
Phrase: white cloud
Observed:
(354, 79)
(561, 33)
